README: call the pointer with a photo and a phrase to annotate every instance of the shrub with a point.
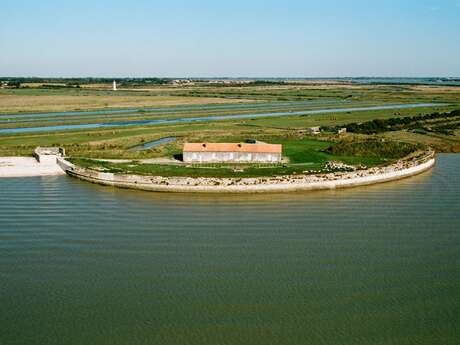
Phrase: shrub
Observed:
(397, 123)
(373, 148)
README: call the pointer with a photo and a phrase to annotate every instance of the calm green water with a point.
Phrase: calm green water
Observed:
(84, 264)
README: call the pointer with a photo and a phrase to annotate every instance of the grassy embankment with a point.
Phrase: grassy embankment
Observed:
(305, 155)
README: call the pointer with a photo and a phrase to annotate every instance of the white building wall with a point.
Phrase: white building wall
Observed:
(233, 157)
(47, 159)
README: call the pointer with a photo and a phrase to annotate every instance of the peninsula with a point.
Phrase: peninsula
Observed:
(245, 137)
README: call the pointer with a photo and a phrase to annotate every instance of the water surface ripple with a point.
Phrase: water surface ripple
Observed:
(85, 264)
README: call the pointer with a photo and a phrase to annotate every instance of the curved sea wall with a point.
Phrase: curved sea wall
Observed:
(409, 166)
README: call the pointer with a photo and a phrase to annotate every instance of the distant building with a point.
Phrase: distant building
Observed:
(229, 81)
(313, 130)
(114, 86)
(182, 82)
(232, 152)
(342, 130)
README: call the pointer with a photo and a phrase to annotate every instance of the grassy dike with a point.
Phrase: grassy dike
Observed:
(303, 155)
(415, 163)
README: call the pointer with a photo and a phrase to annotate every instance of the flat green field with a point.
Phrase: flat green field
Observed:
(303, 151)
(302, 155)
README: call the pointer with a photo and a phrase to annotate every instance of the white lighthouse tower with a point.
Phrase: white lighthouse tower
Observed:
(114, 85)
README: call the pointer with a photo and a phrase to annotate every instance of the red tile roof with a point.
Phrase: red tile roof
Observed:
(232, 147)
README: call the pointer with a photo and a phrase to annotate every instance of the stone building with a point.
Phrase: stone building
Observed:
(314, 130)
(257, 152)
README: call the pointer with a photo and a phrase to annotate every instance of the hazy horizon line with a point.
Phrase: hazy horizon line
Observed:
(232, 77)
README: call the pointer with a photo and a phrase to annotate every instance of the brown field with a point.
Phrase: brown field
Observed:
(442, 143)
(435, 89)
(56, 103)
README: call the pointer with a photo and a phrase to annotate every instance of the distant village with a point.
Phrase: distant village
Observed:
(33, 82)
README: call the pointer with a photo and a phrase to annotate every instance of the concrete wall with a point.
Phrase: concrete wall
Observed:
(47, 159)
(27, 166)
(233, 157)
(65, 165)
(401, 169)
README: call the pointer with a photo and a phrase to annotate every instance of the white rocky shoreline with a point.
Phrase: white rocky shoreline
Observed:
(411, 165)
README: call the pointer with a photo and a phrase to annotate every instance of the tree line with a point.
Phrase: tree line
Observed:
(75, 82)
(400, 123)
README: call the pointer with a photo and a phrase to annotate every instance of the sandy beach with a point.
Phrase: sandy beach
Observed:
(27, 166)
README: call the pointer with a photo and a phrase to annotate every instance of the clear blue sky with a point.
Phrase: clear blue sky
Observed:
(210, 38)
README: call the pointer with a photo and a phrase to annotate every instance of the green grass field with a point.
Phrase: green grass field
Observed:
(115, 142)
(304, 155)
